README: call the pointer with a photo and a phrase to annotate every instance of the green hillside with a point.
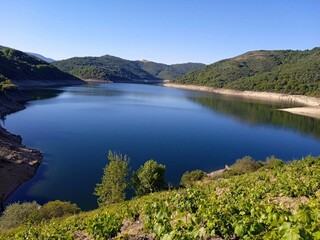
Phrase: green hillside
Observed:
(251, 200)
(168, 72)
(104, 68)
(117, 69)
(22, 69)
(287, 71)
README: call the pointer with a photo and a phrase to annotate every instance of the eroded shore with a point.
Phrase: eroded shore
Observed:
(17, 162)
(311, 109)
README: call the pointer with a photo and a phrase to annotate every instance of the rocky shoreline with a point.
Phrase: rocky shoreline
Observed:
(17, 162)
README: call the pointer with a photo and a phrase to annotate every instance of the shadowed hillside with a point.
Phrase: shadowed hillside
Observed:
(25, 70)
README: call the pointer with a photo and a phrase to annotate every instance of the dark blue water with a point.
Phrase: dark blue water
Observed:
(184, 130)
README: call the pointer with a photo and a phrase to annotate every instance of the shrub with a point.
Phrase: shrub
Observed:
(245, 165)
(189, 178)
(104, 226)
(149, 178)
(58, 208)
(6, 84)
(273, 162)
(18, 214)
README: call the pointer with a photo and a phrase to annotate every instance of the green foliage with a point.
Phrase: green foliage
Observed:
(105, 67)
(117, 69)
(58, 208)
(6, 84)
(287, 71)
(245, 165)
(281, 202)
(188, 179)
(273, 162)
(18, 214)
(19, 66)
(149, 178)
(132, 213)
(257, 205)
(61, 231)
(104, 226)
(168, 72)
(113, 183)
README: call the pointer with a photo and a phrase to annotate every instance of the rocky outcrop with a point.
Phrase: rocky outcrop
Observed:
(17, 162)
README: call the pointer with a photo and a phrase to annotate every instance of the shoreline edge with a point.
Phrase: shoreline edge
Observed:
(311, 106)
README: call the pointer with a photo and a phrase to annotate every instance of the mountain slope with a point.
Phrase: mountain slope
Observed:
(39, 56)
(168, 72)
(103, 68)
(25, 70)
(286, 71)
(117, 69)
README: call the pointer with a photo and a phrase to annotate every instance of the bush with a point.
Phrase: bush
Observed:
(104, 226)
(6, 84)
(273, 162)
(149, 178)
(58, 208)
(189, 178)
(245, 165)
(18, 214)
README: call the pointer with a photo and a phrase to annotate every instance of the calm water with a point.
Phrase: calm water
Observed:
(184, 130)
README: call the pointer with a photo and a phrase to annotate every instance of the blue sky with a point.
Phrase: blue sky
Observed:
(168, 31)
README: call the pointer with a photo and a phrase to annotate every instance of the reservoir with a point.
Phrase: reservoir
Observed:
(184, 130)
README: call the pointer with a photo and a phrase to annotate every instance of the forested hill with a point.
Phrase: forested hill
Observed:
(25, 70)
(117, 69)
(283, 71)
(168, 72)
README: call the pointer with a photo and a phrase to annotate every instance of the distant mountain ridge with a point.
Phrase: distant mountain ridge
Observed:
(25, 70)
(39, 56)
(283, 71)
(168, 72)
(117, 69)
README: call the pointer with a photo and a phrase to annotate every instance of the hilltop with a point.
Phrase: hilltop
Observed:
(25, 70)
(117, 69)
(281, 71)
(250, 200)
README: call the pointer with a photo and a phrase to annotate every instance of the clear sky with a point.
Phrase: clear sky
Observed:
(167, 31)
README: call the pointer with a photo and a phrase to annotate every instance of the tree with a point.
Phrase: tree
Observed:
(149, 178)
(113, 183)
